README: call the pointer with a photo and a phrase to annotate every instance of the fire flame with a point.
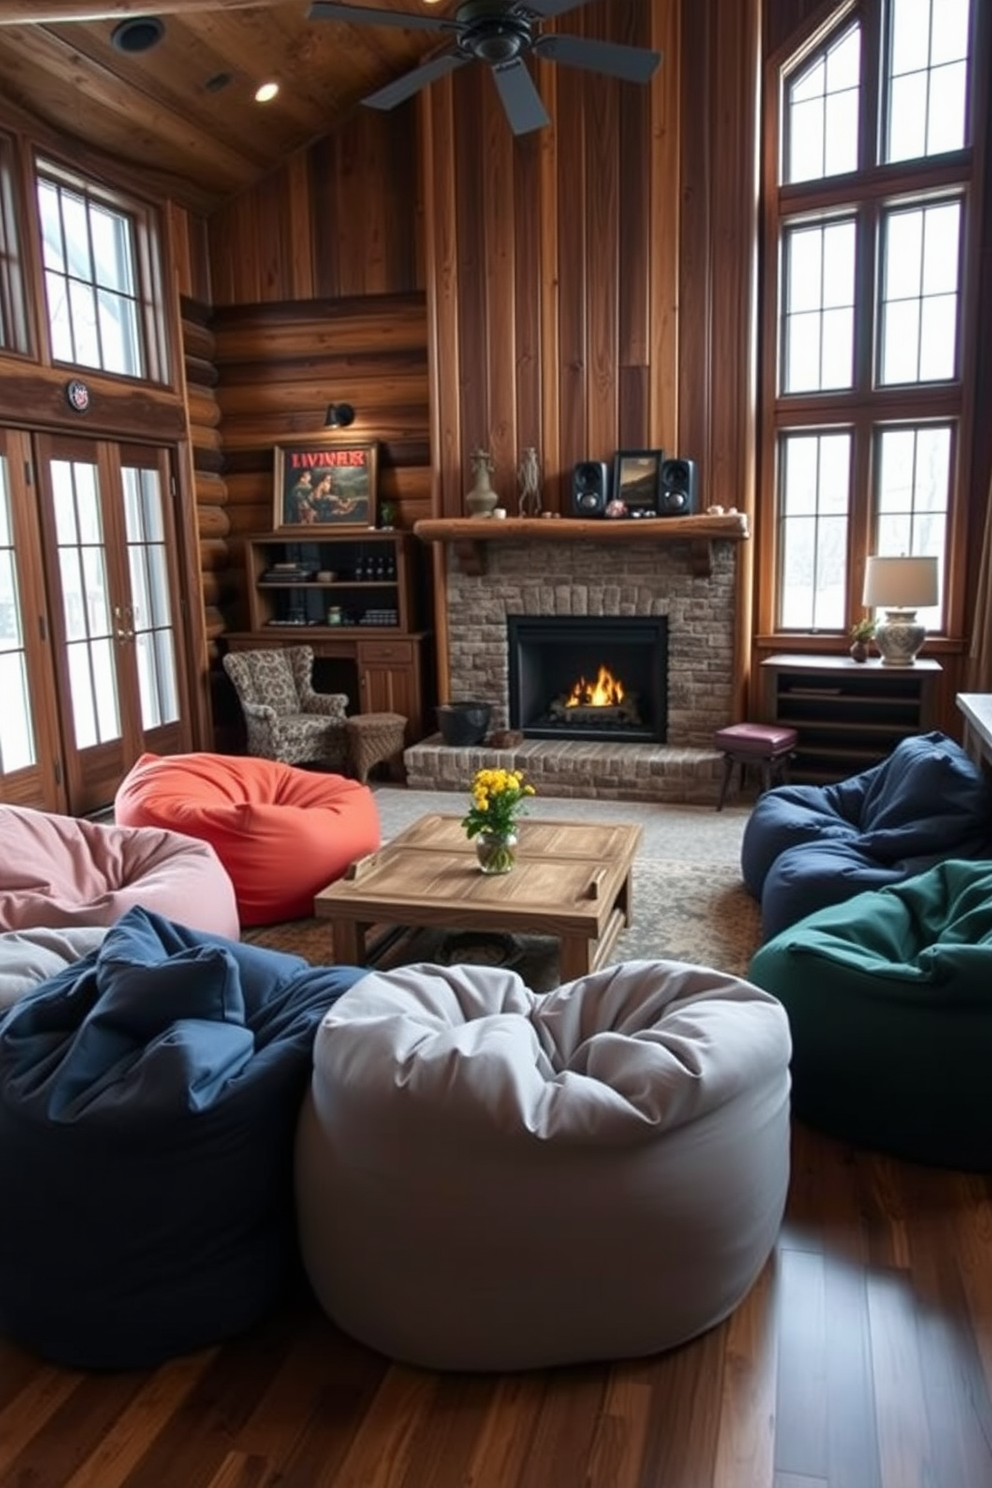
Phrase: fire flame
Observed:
(605, 692)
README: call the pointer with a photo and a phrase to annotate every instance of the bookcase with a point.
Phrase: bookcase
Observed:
(358, 600)
(848, 714)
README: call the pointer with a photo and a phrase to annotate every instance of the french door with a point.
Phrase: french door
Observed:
(113, 611)
(30, 772)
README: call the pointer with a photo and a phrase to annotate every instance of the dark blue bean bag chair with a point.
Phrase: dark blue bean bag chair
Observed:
(149, 1095)
(806, 846)
(889, 999)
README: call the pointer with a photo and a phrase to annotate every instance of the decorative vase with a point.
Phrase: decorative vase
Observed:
(482, 498)
(859, 650)
(496, 851)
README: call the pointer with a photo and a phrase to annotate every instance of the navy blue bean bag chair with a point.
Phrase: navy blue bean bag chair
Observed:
(149, 1095)
(806, 846)
(889, 999)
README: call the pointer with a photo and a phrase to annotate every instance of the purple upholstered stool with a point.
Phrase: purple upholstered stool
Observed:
(764, 744)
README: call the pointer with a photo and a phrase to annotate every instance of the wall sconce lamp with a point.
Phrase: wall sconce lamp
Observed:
(900, 586)
(339, 416)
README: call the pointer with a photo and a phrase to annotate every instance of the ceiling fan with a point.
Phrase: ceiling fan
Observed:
(500, 33)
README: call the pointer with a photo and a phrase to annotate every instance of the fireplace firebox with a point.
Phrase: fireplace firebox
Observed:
(589, 677)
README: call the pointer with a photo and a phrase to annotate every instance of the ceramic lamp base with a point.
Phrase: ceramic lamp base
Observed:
(899, 638)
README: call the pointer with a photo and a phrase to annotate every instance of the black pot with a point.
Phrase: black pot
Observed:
(462, 724)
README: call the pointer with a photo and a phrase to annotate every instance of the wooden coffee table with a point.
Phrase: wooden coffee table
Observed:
(571, 881)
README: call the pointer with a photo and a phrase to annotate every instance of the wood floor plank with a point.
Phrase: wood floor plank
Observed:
(746, 1440)
(862, 1358)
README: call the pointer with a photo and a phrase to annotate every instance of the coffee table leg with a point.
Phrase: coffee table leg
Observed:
(573, 957)
(349, 942)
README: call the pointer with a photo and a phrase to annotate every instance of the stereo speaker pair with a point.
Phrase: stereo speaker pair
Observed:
(678, 493)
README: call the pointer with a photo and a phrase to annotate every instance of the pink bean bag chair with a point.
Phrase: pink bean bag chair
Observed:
(281, 832)
(58, 871)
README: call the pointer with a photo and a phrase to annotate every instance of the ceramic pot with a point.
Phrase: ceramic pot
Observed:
(463, 724)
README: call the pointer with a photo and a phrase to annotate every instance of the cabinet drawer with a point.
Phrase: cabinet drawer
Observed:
(386, 653)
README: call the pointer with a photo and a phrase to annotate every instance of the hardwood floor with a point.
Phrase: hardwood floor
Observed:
(861, 1359)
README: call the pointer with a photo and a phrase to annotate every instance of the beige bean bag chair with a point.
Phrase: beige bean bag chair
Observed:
(59, 871)
(491, 1179)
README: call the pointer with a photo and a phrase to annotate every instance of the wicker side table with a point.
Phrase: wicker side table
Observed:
(374, 738)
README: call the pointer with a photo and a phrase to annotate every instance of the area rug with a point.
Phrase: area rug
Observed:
(697, 912)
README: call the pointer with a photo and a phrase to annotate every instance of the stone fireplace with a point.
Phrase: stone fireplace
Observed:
(588, 677)
(681, 571)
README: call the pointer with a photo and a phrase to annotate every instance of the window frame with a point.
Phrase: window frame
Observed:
(868, 405)
(146, 229)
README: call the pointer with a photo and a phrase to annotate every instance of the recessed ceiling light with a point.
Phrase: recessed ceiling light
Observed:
(266, 92)
(137, 34)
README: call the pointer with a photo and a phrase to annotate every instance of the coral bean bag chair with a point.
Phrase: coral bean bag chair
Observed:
(281, 832)
(807, 846)
(491, 1179)
(57, 872)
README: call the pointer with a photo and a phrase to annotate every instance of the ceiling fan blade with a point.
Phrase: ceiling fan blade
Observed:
(329, 10)
(632, 64)
(548, 8)
(405, 87)
(520, 97)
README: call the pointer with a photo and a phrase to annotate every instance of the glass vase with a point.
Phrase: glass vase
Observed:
(496, 851)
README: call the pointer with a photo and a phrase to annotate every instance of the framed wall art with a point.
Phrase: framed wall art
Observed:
(636, 476)
(319, 485)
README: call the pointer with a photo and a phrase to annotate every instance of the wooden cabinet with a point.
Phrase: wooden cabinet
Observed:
(848, 714)
(358, 601)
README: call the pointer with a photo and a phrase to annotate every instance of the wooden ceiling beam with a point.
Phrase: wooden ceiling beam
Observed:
(50, 12)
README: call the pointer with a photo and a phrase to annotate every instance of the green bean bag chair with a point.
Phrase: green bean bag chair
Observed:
(889, 999)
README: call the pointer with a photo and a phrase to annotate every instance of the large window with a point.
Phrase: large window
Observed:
(868, 224)
(99, 267)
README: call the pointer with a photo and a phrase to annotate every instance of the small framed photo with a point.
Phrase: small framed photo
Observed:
(325, 486)
(637, 478)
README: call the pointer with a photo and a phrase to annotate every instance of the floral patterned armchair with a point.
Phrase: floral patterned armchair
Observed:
(286, 720)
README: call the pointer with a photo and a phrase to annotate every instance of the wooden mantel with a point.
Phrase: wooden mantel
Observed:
(470, 535)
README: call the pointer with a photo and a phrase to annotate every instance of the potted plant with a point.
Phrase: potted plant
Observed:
(861, 633)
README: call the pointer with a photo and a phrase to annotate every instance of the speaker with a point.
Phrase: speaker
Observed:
(590, 488)
(677, 488)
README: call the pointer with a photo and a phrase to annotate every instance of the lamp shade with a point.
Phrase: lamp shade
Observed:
(900, 583)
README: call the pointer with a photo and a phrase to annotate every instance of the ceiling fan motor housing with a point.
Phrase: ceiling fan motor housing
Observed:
(492, 32)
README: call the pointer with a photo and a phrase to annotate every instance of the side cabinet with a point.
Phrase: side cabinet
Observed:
(357, 601)
(848, 714)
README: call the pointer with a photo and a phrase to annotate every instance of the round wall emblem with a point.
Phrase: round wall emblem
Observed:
(77, 395)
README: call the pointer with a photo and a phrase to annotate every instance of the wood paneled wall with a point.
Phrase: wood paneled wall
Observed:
(339, 220)
(280, 365)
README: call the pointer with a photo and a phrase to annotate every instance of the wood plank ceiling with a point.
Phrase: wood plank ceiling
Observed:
(184, 111)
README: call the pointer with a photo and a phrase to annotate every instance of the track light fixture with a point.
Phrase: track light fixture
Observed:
(339, 416)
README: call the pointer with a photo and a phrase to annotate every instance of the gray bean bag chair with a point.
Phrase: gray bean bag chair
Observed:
(491, 1179)
(149, 1094)
(807, 846)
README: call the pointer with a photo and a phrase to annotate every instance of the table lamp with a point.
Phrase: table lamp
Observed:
(900, 586)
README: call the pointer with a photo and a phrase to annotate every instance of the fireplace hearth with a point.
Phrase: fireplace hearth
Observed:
(582, 677)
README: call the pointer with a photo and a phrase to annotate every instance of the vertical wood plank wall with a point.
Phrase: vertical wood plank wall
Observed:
(581, 289)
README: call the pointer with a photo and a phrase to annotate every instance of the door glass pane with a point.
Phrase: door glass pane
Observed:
(927, 79)
(18, 748)
(814, 481)
(151, 611)
(914, 471)
(919, 309)
(85, 603)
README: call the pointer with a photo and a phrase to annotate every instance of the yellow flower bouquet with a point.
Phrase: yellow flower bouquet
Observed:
(498, 798)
